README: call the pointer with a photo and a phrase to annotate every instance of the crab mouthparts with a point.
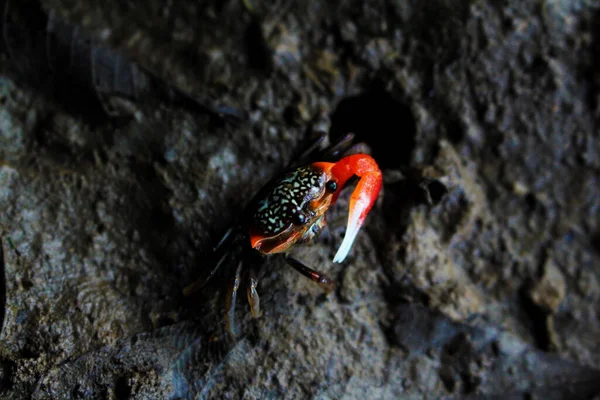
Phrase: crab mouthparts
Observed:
(355, 220)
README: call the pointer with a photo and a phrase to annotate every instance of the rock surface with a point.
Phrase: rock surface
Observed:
(493, 290)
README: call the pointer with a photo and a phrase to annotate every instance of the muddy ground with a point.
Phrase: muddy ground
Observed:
(106, 215)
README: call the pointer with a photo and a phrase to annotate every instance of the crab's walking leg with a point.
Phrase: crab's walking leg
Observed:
(253, 298)
(230, 301)
(321, 279)
(199, 283)
(221, 253)
(363, 197)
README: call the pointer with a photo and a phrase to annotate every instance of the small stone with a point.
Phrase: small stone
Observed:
(548, 292)
(519, 188)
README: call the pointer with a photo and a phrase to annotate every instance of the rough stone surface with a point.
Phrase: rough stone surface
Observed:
(493, 290)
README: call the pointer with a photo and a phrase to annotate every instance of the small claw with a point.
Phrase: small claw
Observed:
(363, 197)
(354, 223)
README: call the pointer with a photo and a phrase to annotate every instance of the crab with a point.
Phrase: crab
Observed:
(290, 210)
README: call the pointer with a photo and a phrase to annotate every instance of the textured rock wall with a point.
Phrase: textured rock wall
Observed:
(111, 197)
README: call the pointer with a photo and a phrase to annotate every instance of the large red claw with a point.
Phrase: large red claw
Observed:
(362, 199)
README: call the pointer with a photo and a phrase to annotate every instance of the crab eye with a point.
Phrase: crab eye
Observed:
(299, 218)
(331, 186)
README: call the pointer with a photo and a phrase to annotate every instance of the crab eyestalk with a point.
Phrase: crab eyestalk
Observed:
(363, 197)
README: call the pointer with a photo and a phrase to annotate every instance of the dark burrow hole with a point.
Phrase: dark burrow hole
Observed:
(596, 242)
(377, 118)
(122, 388)
(258, 54)
(437, 191)
(589, 60)
(455, 132)
(537, 319)
(7, 372)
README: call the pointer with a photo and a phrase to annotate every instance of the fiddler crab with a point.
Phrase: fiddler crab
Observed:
(290, 210)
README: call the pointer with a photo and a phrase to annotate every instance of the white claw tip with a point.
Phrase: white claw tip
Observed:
(354, 224)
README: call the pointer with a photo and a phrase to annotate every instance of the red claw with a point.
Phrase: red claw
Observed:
(364, 195)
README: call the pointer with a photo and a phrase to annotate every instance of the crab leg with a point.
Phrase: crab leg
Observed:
(321, 279)
(363, 197)
(253, 298)
(230, 301)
